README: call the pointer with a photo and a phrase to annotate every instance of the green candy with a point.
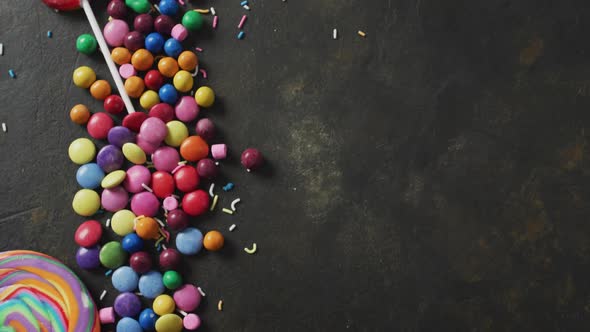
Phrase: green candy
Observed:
(172, 279)
(192, 20)
(139, 6)
(112, 255)
(86, 44)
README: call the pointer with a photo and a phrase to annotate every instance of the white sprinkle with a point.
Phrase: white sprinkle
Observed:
(196, 72)
(157, 8)
(234, 202)
(1, 49)
(220, 305)
(335, 34)
(211, 190)
(146, 187)
(109, 222)
(212, 11)
(217, 163)
(251, 251)
(246, 7)
(232, 227)
(201, 291)
(3, 127)
(104, 293)
(164, 247)
(183, 313)
(160, 222)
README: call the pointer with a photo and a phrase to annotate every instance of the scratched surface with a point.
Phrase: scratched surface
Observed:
(433, 176)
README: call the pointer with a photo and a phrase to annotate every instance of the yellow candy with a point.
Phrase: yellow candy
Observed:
(86, 202)
(149, 99)
(177, 132)
(122, 222)
(183, 81)
(82, 151)
(134, 153)
(163, 304)
(205, 96)
(113, 179)
(84, 77)
(169, 323)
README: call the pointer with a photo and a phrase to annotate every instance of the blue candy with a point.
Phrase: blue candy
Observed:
(189, 241)
(132, 243)
(154, 42)
(124, 279)
(89, 176)
(173, 47)
(147, 319)
(127, 324)
(151, 285)
(168, 94)
(168, 7)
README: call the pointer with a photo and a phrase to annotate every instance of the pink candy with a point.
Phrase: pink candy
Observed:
(165, 158)
(153, 130)
(107, 315)
(179, 32)
(114, 32)
(146, 146)
(127, 70)
(219, 151)
(191, 322)
(114, 199)
(187, 297)
(136, 176)
(145, 204)
(170, 203)
(186, 109)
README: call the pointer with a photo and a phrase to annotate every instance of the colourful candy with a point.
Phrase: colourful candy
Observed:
(148, 99)
(179, 32)
(141, 262)
(154, 79)
(99, 125)
(86, 43)
(100, 89)
(114, 199)
(86, 202)
(164, 24)
(134, 153)
(134, 120)
(183, 81)
(82, 151)
(112, 255)
(213, 241)
(169, 259)
(107, 315)
(136, 176)
(88, 258)
(114, 104)
(110, 158)
(177, 132)
(189, 241)
(252, 159)
(219, 151)
(119, 136)
(79, 114)
(188, 61)
(127, 304)
(194, 148)
(147, 228)
(88, 233)
(165, 159)
(169, 323)
(122, 222)
(127, 71)
(89, 176)
(187, 297)
(114, 32)
(83, 77)
(186, 178)
(113, 179)
(147, 319)
(162, 111)
(124, 279)
(207, 169)
(121, 55)
(132, 243)
(191, 322)
(163, 304)
(144, 23)
(186, 109)
(172, 280)
(192, 20)
(168, 94)
(162, 184)
(117, 9)
(205, 128)
(153, 130)
(204, 96)
(150, 284)
(133, 41)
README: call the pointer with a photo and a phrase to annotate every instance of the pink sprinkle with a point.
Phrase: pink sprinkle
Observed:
(181, 2)
(199, 49)
(203, 72)
(215, 20)
(242, 21)
(177, 168)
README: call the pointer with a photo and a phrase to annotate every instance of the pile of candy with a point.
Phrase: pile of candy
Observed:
(138, 191)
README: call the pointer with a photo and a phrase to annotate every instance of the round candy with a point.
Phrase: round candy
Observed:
(153, 79)
(148, 99)
(120, 135)
(162, 184)
(88, 258)
(127, 71)
(179, 32)
(136, 176)
(177, 220)
(213, 241)
(186, 109)
(110, 158)
(146, 146)
(121, 55)
(205, 96)
(114, 104)
(83, 77)
(86, 43)
(188, 61)
(100, 89)
(147, 319)
(99, 125)
(207, 168)
(144, 23)
(177, 132)
(168, 66)
(114, 32)
(187, 297)
(142, 59)
(162, 111)
(128, 324)
(165, 159)
(117, 9)
(169, 322)
(88, 233)
(195, 203)
(81, 151)
(194, 148)
(192, 20)
(79, 114)
(89, 176)
(168, 7)
(186, 178)
(132, 243)
(154, 42)
(191, 322)
(139, 6)
(164, 24)
(219, 151)
(172, 280)
(134, 120)
(170, 203)
(168, 94)
(150, 284)
(183, 81)
(189, 241)
(113, 179)
(252, 159)
(127, 304)
(153, 130)
(169, 259)
(163, 304)
(173, 47)
(205, 128)
(112, 255)
(124, 279)
(134, 86)
(106, 315)
(133, 41)
(86, 202)
(140, 262)
(134, 153)
(147, 228)
(122, 222)
(63, 5)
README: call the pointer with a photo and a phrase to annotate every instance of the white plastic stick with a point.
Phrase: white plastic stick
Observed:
(107, 56)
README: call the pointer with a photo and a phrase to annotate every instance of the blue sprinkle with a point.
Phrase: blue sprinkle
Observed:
(49, 34)
(11, 73)
(243, 3)
(108, 273)
(241, 35)
(228, 187)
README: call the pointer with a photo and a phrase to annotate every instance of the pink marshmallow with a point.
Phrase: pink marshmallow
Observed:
(107, 315)
(219, 151)
(179, 32)
(127, 71)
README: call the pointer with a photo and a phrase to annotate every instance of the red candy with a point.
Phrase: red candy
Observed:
(195, 203)
(140, 262)
(134, 120)
(88, 233)
(153, 80)
(163, 111)
(186, 179)
(113, 104)
(63, 4)
(99, 125)
(177, 220)
(162, 184)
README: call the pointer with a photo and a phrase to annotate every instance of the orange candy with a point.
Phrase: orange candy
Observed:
(147, 228)
(194, 148)
(100, 89)
(188, 60)
(168, 66)
(80, 114)
(142, 60)
(121, 55)
(213, 241)
(134, 86)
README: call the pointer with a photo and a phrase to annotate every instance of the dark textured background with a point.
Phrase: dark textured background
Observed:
(432, 176)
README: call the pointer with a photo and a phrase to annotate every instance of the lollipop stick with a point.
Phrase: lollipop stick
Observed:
(107, 56)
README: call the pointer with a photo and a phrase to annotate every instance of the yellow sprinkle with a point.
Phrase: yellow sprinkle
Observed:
(228, 211)
(220, 305)
(251, 251)
(214, 204)
(202, 11)
(362, 34)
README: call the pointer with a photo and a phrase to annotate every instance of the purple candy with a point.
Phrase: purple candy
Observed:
(143, 23)
(145, 204)
(120, 135)
(164, 24)
(117, 9)
(205, 128)
(136, 176)
(153, 130)
(165, 159)
(252, 159)
(127, 305)
(110, 158)
(146, 146)
(206, 168)
(88, 258)
(133, 41)
(114, 199)
(177, 220)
